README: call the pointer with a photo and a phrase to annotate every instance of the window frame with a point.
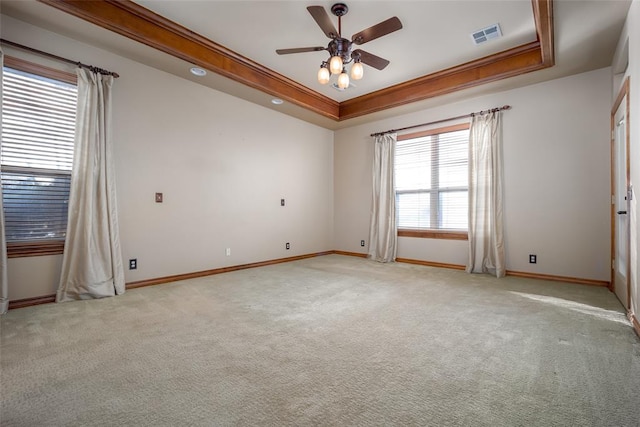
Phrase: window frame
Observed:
(40, 247)
(434, 233)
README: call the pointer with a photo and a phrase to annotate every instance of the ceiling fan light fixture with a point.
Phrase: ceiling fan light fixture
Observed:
(323, 74)
(357, 71)
(335, 65)
(343, 80)
(340, 49)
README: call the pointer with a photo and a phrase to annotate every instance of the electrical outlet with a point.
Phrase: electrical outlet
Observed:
(281, 202)
(287, 246)
(133, 263)
(533, 259)
(158, 197)
(227, 252)
(362, 243)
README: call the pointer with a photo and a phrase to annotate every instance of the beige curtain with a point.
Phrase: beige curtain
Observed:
(486, 244)
(383, 235)
(92, 262)
(4, 280)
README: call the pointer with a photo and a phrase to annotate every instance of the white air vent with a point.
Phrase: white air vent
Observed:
(486, 34)
(336, 87)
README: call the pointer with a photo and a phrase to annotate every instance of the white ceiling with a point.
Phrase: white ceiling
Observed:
(435, 36)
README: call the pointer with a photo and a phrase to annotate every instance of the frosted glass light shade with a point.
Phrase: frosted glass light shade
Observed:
(343, 80)
(335, 65)
(357, 71)
(323, 75)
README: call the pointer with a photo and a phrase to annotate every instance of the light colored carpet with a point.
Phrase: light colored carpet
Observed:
(333, 340)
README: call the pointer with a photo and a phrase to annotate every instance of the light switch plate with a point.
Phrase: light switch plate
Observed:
(158, 197)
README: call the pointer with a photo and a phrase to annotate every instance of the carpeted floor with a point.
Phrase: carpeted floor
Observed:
(333, 340)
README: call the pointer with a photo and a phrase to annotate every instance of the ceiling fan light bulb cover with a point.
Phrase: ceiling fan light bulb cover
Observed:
(343, 80)
(323, 75)
(357, 71)
(335, 65)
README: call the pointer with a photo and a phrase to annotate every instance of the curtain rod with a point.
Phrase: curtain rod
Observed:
(60, 58)
(493, 110)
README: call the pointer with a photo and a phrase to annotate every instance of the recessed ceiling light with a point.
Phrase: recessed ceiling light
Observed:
(277, 101)
(196, 71)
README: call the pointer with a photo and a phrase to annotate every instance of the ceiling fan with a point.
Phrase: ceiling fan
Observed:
(341, 50)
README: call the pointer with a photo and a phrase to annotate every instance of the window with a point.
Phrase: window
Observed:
(431, 173)
(38, 128)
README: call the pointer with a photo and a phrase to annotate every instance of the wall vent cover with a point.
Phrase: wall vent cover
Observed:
(486, 34)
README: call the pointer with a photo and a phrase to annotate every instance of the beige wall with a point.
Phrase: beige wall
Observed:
(556, 160)
(222, 163)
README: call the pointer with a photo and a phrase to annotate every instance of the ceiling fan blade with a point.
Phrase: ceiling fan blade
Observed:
(300, 50)
(378, 30)
(322, 19)
(371, 59)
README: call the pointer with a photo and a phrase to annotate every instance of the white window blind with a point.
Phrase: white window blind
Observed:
(431, 174)
(38, 128)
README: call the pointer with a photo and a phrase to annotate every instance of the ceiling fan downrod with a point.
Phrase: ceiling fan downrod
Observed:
(339, 10)
(340, 47)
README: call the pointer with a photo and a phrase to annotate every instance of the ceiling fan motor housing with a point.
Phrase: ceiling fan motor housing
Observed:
(340, 47)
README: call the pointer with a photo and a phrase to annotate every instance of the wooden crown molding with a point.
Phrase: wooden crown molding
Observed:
(510, 63)
(133, 21)
(543, 16)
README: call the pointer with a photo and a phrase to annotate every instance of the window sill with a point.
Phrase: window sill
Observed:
(434, 234)
(29, 249)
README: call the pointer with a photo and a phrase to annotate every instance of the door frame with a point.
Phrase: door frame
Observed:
(622, 95)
